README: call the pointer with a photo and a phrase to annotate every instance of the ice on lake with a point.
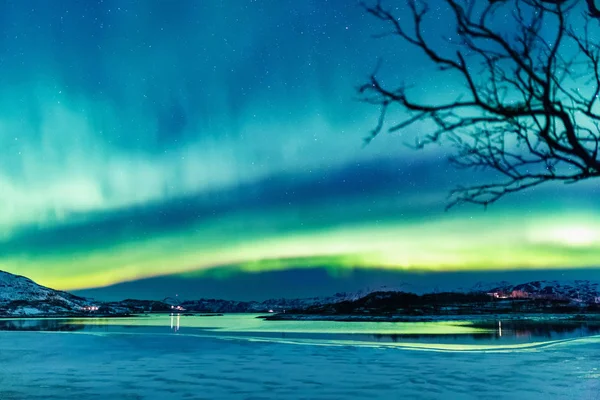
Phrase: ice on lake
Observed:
(241, 357)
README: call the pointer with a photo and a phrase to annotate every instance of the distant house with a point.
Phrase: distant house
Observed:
(519, 294)
(515, 294)
(498, 295)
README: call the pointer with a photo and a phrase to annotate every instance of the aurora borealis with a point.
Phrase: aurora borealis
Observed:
(144, 139)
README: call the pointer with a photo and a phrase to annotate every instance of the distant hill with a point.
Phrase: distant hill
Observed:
(275, 305)
(583, 291)
(536, 297)
(20, 296)
(387, 299)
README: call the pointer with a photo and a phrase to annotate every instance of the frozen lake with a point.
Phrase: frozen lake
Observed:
(240, 356)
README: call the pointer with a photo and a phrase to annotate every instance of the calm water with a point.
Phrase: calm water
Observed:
(167, 357)
(249, 326)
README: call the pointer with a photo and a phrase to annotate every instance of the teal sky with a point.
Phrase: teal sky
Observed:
(149, 138)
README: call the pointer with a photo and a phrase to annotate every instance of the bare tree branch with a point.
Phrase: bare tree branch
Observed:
(530, 107)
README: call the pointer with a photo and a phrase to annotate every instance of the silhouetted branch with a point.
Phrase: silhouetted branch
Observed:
(530, 106)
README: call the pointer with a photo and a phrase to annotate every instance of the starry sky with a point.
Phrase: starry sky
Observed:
(222, 142)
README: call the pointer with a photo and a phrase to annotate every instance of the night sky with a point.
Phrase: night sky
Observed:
(222, 142)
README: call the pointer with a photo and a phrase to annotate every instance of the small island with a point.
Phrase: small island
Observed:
(537, 299)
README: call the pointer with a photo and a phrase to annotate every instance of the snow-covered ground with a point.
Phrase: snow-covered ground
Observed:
(15, 288)
(20, 296)
(36, 365)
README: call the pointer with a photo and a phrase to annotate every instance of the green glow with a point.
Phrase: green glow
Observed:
(453, 243)
(221, 155)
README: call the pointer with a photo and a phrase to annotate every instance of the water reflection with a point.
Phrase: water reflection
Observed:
(38, 325)
(248, 326)
(544, 329)
(513, 331)
(175, 322)
(500, 328)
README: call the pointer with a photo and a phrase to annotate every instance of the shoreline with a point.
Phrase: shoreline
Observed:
(561, 317)
(104, 316)
(579, 317)
(65, 316)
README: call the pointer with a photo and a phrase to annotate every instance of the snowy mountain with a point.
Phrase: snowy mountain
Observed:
(276, 305)
(583, 291)
(314, 301)
(20, 296)
(15, 287)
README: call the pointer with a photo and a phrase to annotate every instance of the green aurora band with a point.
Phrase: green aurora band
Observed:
(270, 240)
(143, 139)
